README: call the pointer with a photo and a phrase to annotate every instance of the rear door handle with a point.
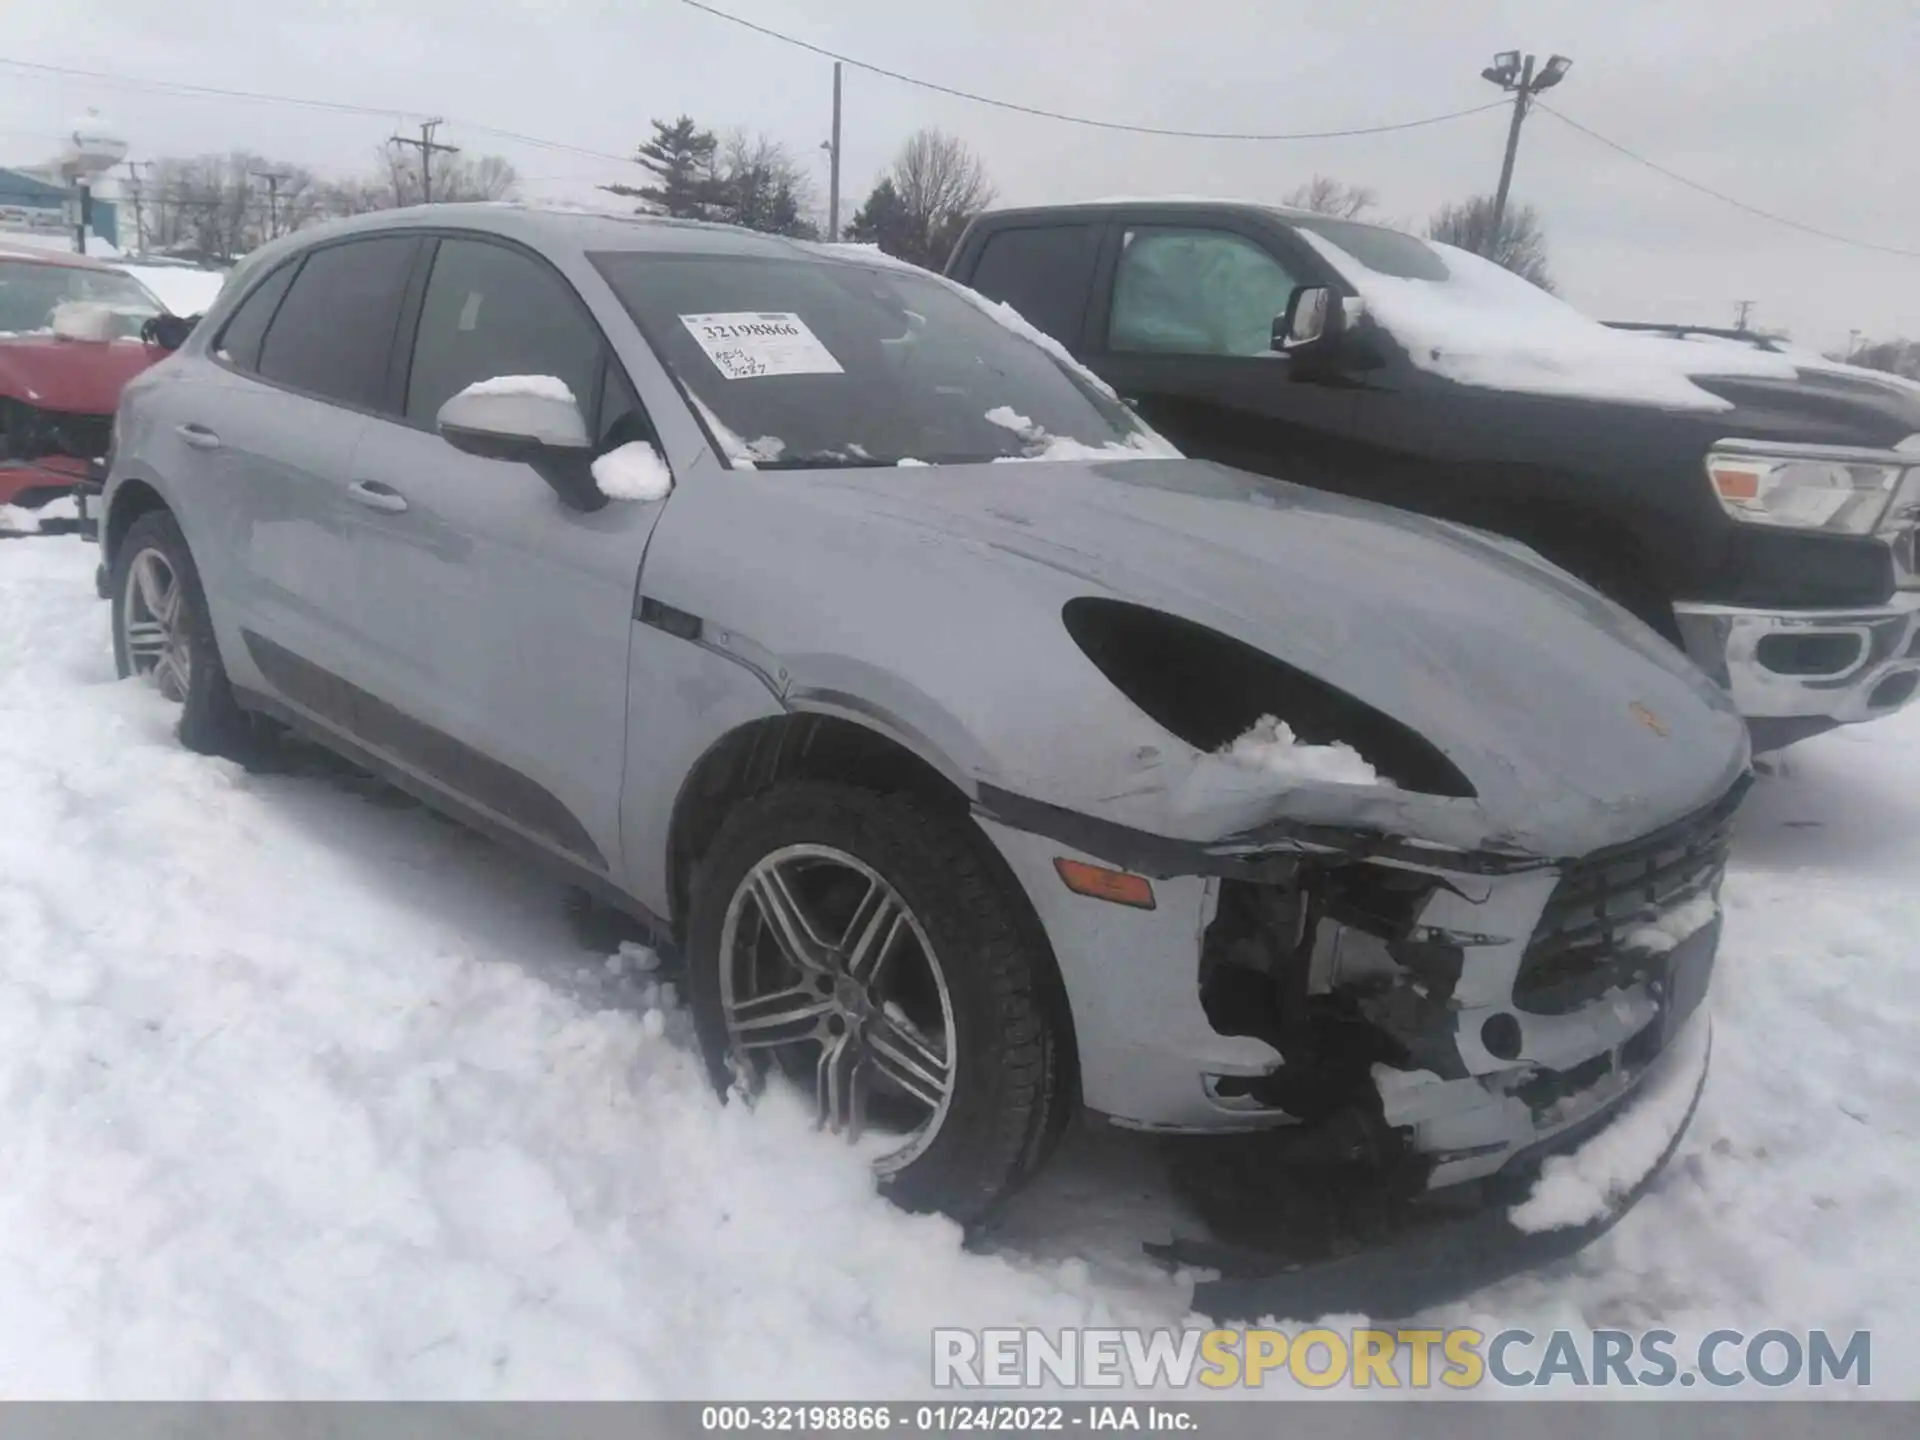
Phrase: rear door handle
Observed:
(198, 436)
(375, 496)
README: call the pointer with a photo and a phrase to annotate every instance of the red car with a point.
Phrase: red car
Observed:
(70, 332)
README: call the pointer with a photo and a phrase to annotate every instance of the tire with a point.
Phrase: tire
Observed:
(211, 721)
(1008, 1086)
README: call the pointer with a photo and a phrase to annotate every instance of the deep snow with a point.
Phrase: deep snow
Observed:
(305, 1092)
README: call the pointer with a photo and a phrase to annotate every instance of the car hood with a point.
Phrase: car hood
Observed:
(1824, 405)
(81, 377)
(1576, 725)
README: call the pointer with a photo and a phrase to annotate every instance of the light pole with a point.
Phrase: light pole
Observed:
(1515, 75)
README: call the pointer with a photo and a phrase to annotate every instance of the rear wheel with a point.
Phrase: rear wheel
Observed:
(162, 634)
(859, 948)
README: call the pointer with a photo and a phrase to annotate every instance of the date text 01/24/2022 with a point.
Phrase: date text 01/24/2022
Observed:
(944, 1419)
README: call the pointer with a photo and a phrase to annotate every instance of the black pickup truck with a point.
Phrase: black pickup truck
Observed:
(1754, 505)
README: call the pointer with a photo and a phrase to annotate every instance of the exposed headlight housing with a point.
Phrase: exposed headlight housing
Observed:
(1839, 495)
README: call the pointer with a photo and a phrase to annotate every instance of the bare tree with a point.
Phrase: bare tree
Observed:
(1521, 245)
(1325, 195)
(757, 183)
(215, 207)
(1896, 357)
(455, 178)
(938, 184)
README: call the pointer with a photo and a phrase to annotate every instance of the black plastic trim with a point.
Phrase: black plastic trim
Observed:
(418, 747)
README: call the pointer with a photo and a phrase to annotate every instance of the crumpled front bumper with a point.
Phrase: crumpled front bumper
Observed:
(1447, 1253)
(1798, 672)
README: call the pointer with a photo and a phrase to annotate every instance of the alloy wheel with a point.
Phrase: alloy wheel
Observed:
(154, 621)
(827, 977)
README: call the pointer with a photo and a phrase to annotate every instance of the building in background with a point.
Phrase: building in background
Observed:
(36, 201)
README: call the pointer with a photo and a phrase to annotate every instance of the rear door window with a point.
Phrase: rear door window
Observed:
(1043, 271)
(333, 333)
(1196, 292)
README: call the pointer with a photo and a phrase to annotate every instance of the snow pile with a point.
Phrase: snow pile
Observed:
(533, 387)
(1685, 919)
(1270, 746)
(85, 320)
(1583, 1187)
(633, 471)
(333, 1102)
(1486, 326)
(1042, 446)
(183, 289)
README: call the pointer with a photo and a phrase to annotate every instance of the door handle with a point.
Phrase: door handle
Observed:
(198, 436)
(375, 496)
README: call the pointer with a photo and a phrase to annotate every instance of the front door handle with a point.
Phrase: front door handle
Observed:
(198, 436)
(375, 496)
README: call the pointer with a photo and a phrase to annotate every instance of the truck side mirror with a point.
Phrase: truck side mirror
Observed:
(1314, 321)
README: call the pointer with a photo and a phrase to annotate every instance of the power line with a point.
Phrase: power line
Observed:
(338, 107)
(1723, 198)
(1087, 121)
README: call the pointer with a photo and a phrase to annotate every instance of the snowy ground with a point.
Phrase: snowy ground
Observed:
(306, 1092)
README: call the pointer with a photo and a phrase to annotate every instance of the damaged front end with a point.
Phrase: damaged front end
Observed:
(1435, 1023)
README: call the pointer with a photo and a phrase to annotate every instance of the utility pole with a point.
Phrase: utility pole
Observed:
(273, 179)
(1515, 75)
(1746, 309)
(428, 148)
(833, 170)
(139, 213)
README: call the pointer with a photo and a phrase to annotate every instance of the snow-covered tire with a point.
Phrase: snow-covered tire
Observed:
(211, 721)
(837, 847)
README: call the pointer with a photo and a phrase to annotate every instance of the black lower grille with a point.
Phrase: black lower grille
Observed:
(1579, 950)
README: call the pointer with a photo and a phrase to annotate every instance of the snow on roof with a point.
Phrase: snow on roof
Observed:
(1486, 326)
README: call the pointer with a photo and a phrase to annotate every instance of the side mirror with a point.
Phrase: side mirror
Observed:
(529, 420)
(1314, 321)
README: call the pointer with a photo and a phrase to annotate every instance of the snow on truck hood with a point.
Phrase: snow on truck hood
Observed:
(1485, 326)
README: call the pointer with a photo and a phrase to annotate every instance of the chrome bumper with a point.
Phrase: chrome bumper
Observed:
(1839, 666)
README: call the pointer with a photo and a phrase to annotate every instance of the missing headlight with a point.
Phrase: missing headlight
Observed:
(1209, 689)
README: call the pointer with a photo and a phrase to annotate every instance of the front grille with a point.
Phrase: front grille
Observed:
(1579, 950)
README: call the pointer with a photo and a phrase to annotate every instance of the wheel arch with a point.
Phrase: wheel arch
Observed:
(811, 745)
(132, 498)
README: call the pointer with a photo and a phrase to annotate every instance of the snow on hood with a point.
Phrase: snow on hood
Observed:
(1485, 326)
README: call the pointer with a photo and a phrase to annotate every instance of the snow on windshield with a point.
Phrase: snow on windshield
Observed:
(1485, 326)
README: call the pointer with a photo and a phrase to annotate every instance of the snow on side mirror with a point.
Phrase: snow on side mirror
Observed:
(529, 419)
(514, 417)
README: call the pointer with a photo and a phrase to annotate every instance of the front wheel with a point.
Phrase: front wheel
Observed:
(163, 634)
(860, 948)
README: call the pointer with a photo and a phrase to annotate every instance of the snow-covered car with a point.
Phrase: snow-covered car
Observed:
(69, 339)
(704, 565)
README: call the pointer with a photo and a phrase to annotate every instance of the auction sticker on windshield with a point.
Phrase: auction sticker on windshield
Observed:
(746, 344)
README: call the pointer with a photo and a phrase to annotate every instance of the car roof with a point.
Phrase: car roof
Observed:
(548, 228)
(68, 260)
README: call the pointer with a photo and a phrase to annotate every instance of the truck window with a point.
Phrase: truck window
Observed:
(1044, 272)
(1196, 292)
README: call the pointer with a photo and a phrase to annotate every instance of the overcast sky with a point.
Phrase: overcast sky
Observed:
(1810, 110)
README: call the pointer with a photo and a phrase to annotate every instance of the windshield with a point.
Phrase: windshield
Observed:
(30, 292)
(822, 363)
